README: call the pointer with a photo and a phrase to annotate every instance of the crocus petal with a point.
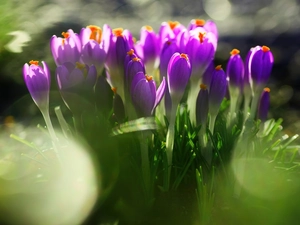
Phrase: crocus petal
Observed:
(160, 92)
(264, 104)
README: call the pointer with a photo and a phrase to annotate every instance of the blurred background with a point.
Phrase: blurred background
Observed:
(26, 27)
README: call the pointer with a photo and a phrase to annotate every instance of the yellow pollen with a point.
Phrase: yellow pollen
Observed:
(148, 28)
(80, 65)
(173, 24)
(34, 62)
(265, 48)
(130, 52)
(148, 78)
(96, 33)
(234, 52)
(266, 89)
(136, 59)
(133, 39)
(199, 22)
(203, 86)
(114, 89)
(65, 34)
(182, 55)
(201, 36)
(219, 67)
(118, 32)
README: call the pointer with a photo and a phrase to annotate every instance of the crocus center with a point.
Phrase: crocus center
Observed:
(234, 52)
(65, 35)
(136, 59)
(265, 48)
(96, 33)
(130, 52)
(148, 78)
(118, 32)
(199, 22)
(149, 28)
(173, 24)
(203, 86)
(34, 62)
(219, 67)
(266, 89)
(114, 89)
(80, 65)
(182, 55)
(168, 42)
(201, 36)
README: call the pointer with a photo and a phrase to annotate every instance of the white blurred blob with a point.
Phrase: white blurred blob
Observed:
(35, 190)
(258, 177)
(216, 9)
(19, 40)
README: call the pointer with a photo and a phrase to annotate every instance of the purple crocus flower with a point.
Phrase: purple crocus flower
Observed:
(76, 80)
(179, 72)
(144, 96)
(93, 51)
(235, 70)
(169, 48)
(209, 26)
(264, 104)
(260, 65)
(201, 48)
(147, 47)
(168, 31)
(217, 90)
(66, 49)
(37, 80)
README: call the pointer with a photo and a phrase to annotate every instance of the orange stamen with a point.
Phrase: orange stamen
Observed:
(96, 33)
(199, 22)
(34, 62)
(148, 28)
(219, 67)
(136, 59)
(265, 48)
(65, 34)
(118, 32)
(130, 52)
(148, 78)
(173, 24)
(203, 86)
(201, 36)
(114, 89)
(182, 55)
(234, 52)
(266, 89)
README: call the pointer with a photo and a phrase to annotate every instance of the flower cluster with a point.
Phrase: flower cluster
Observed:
(163, 65)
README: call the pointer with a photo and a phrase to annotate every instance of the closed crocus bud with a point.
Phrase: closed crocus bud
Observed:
(179, 72)
(202, 106)
(115, 59)
(260, 65)
(217, 90)
(76, 80)
(235, 70)
(143, 94)
(37, 80)
(133, 67)
(264, 103)
(206, 78)
(93, 51)
(66, 49)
